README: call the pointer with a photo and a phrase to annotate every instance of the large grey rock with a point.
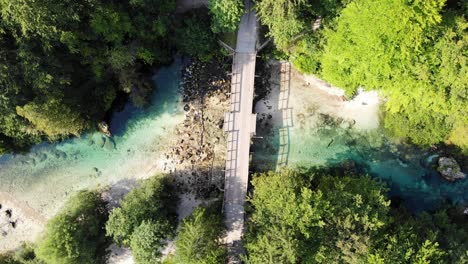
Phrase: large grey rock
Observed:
(449, 169)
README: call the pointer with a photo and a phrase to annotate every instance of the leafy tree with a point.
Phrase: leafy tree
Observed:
(53, 118)
(197, 41)
(282, 212)
(76, 234)
(312, 217)
(148, 239)
(415, 56)
(282, 18)
(198, 238)
(151, 201)
(307, 53)
(226, 14)
(57, 54)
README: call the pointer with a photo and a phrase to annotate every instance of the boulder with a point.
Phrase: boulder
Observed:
(449, 169)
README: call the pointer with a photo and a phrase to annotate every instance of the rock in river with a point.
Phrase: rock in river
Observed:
(449, 169)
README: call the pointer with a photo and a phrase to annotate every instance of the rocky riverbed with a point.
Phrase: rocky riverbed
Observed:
(161, 138)
(196, 159)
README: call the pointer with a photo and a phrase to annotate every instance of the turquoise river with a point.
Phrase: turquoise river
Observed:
(45, 176)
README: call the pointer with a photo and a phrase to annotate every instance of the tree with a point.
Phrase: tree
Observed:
(282, 215)
(53, 118)
(358, 212)
(151, 201)
(226, 14)
(282, 18)
(197, 41)
(294, 222)
(405, 55)
(198, 238)
(310, 216)
(76, 233)
(148, 239)
(58, 54)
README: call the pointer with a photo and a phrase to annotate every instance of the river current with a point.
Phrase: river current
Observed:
(45, 176)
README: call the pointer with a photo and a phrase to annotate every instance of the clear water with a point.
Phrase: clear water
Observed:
(409, 171)
(44, 177)
(50, 172)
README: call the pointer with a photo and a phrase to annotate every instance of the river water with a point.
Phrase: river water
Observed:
(303, 125)
(44, 177)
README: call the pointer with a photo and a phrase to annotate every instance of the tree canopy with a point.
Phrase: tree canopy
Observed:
(145, 219)
(413, 52)
(416, 57)
(148, 239)
(198, 237)
(76, 234)
(226, 14)
(314, 217)
(62, 63)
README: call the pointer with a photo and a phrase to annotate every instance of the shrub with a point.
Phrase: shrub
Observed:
(76, 234)
(153, 201)
(198, 238)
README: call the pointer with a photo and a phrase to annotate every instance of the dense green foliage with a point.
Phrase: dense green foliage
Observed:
(282, 18)
(415, 56)
(414, 52)
(62, 63)
(76, 234)
(290, 21)
(312, 217)
(198, 238)
(148, 240)
(145, 219)
(226, 14)
(196, 38)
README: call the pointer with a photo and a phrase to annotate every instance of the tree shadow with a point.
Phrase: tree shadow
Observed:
(286, 116)
(271, 147)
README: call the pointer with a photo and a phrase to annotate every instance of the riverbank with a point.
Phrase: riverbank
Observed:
(306, 122)
(144, 144)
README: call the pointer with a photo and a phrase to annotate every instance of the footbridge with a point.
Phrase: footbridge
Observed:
(239, 124)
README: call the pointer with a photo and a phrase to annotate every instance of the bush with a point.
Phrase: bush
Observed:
(226, 14)
(193, 38)
(76, 234)
(8, 258)
(148, 239)
(198, 238)
(151, 204)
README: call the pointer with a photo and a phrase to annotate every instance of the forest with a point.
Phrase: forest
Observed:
(413, 52)
(306, 215)
(65, 65)
(321, 215)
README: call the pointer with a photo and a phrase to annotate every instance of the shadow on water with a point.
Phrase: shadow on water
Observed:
(275, 139)
(409, 173)
(286, 115)
(122, 120)
(317, 139)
